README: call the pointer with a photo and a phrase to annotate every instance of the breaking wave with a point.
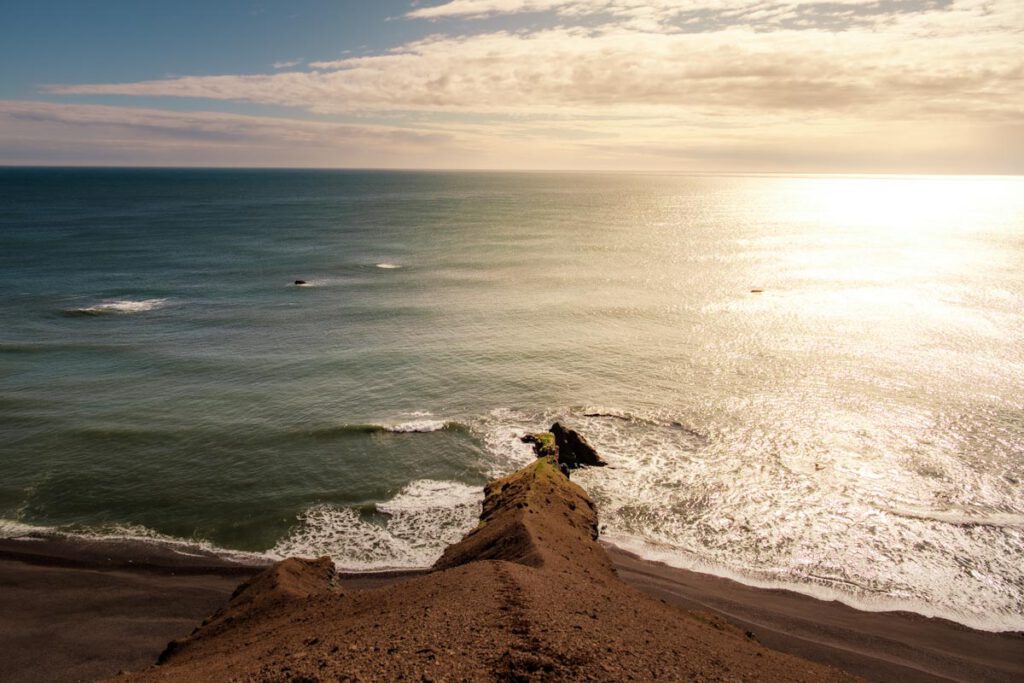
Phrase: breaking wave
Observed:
(417, 426)
(409, 531)
(698, 494)
(14, 529)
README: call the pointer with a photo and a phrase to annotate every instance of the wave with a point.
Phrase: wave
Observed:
(388, 266)
(421, 426)
(689, 497)
(958, 516)
(14, 529)
(117, 307)
(826, 589)
(10, 528)
(25, 348)
(345, 430)
(409, 531)
(694, 493)
(633, 418)
(142, 436)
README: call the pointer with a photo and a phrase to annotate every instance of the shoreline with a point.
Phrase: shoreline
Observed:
(893, 645)
(90, 608)
(83, 550)
(817, 592)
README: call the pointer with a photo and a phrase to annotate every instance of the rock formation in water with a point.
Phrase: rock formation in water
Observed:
(573, 449)
(528, 595)
(567, 446)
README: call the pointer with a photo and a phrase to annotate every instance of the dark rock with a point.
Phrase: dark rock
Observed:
(543, 444)
(573, 449)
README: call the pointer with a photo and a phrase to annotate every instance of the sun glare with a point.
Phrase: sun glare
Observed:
(909, 204)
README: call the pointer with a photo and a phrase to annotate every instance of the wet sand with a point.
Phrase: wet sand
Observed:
(74, 610)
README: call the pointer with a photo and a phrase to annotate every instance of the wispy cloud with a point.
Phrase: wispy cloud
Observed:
(287, 64)
(890, 74)
(72, 133)
(690, 14)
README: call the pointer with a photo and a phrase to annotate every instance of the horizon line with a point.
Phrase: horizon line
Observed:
(579, 171)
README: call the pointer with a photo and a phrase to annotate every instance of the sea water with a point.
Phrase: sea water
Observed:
(810, 382)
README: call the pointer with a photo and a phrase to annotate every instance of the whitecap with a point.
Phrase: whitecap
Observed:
(388, 266)
(416, 426)
(119, 307)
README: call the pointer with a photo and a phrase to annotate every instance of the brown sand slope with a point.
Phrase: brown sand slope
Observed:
(528, 595)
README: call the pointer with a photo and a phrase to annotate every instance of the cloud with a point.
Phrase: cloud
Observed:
(45, 132)
(78, 133)
(287, 64)
(616, 70)
(880, 79)
(688, 14)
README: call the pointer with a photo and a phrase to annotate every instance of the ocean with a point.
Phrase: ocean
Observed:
(807, 382)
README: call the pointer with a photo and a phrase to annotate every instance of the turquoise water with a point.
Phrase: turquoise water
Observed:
(855, 430)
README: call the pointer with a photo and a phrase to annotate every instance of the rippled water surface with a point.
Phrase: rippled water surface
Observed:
(853, 429)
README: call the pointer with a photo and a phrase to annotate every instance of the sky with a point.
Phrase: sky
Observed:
(844, 86)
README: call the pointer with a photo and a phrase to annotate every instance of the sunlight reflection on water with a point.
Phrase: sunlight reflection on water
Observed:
(853, 428)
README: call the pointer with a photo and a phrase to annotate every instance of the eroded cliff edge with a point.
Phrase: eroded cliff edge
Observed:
(529, 595)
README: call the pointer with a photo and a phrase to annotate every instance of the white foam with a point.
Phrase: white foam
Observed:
(120, 307)
(388, 266)
(10, 528)
(681, 559)
(413, 530)
(14, 529)
(414, 426)
(502, 430)
(959, 516)
(736, 499)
